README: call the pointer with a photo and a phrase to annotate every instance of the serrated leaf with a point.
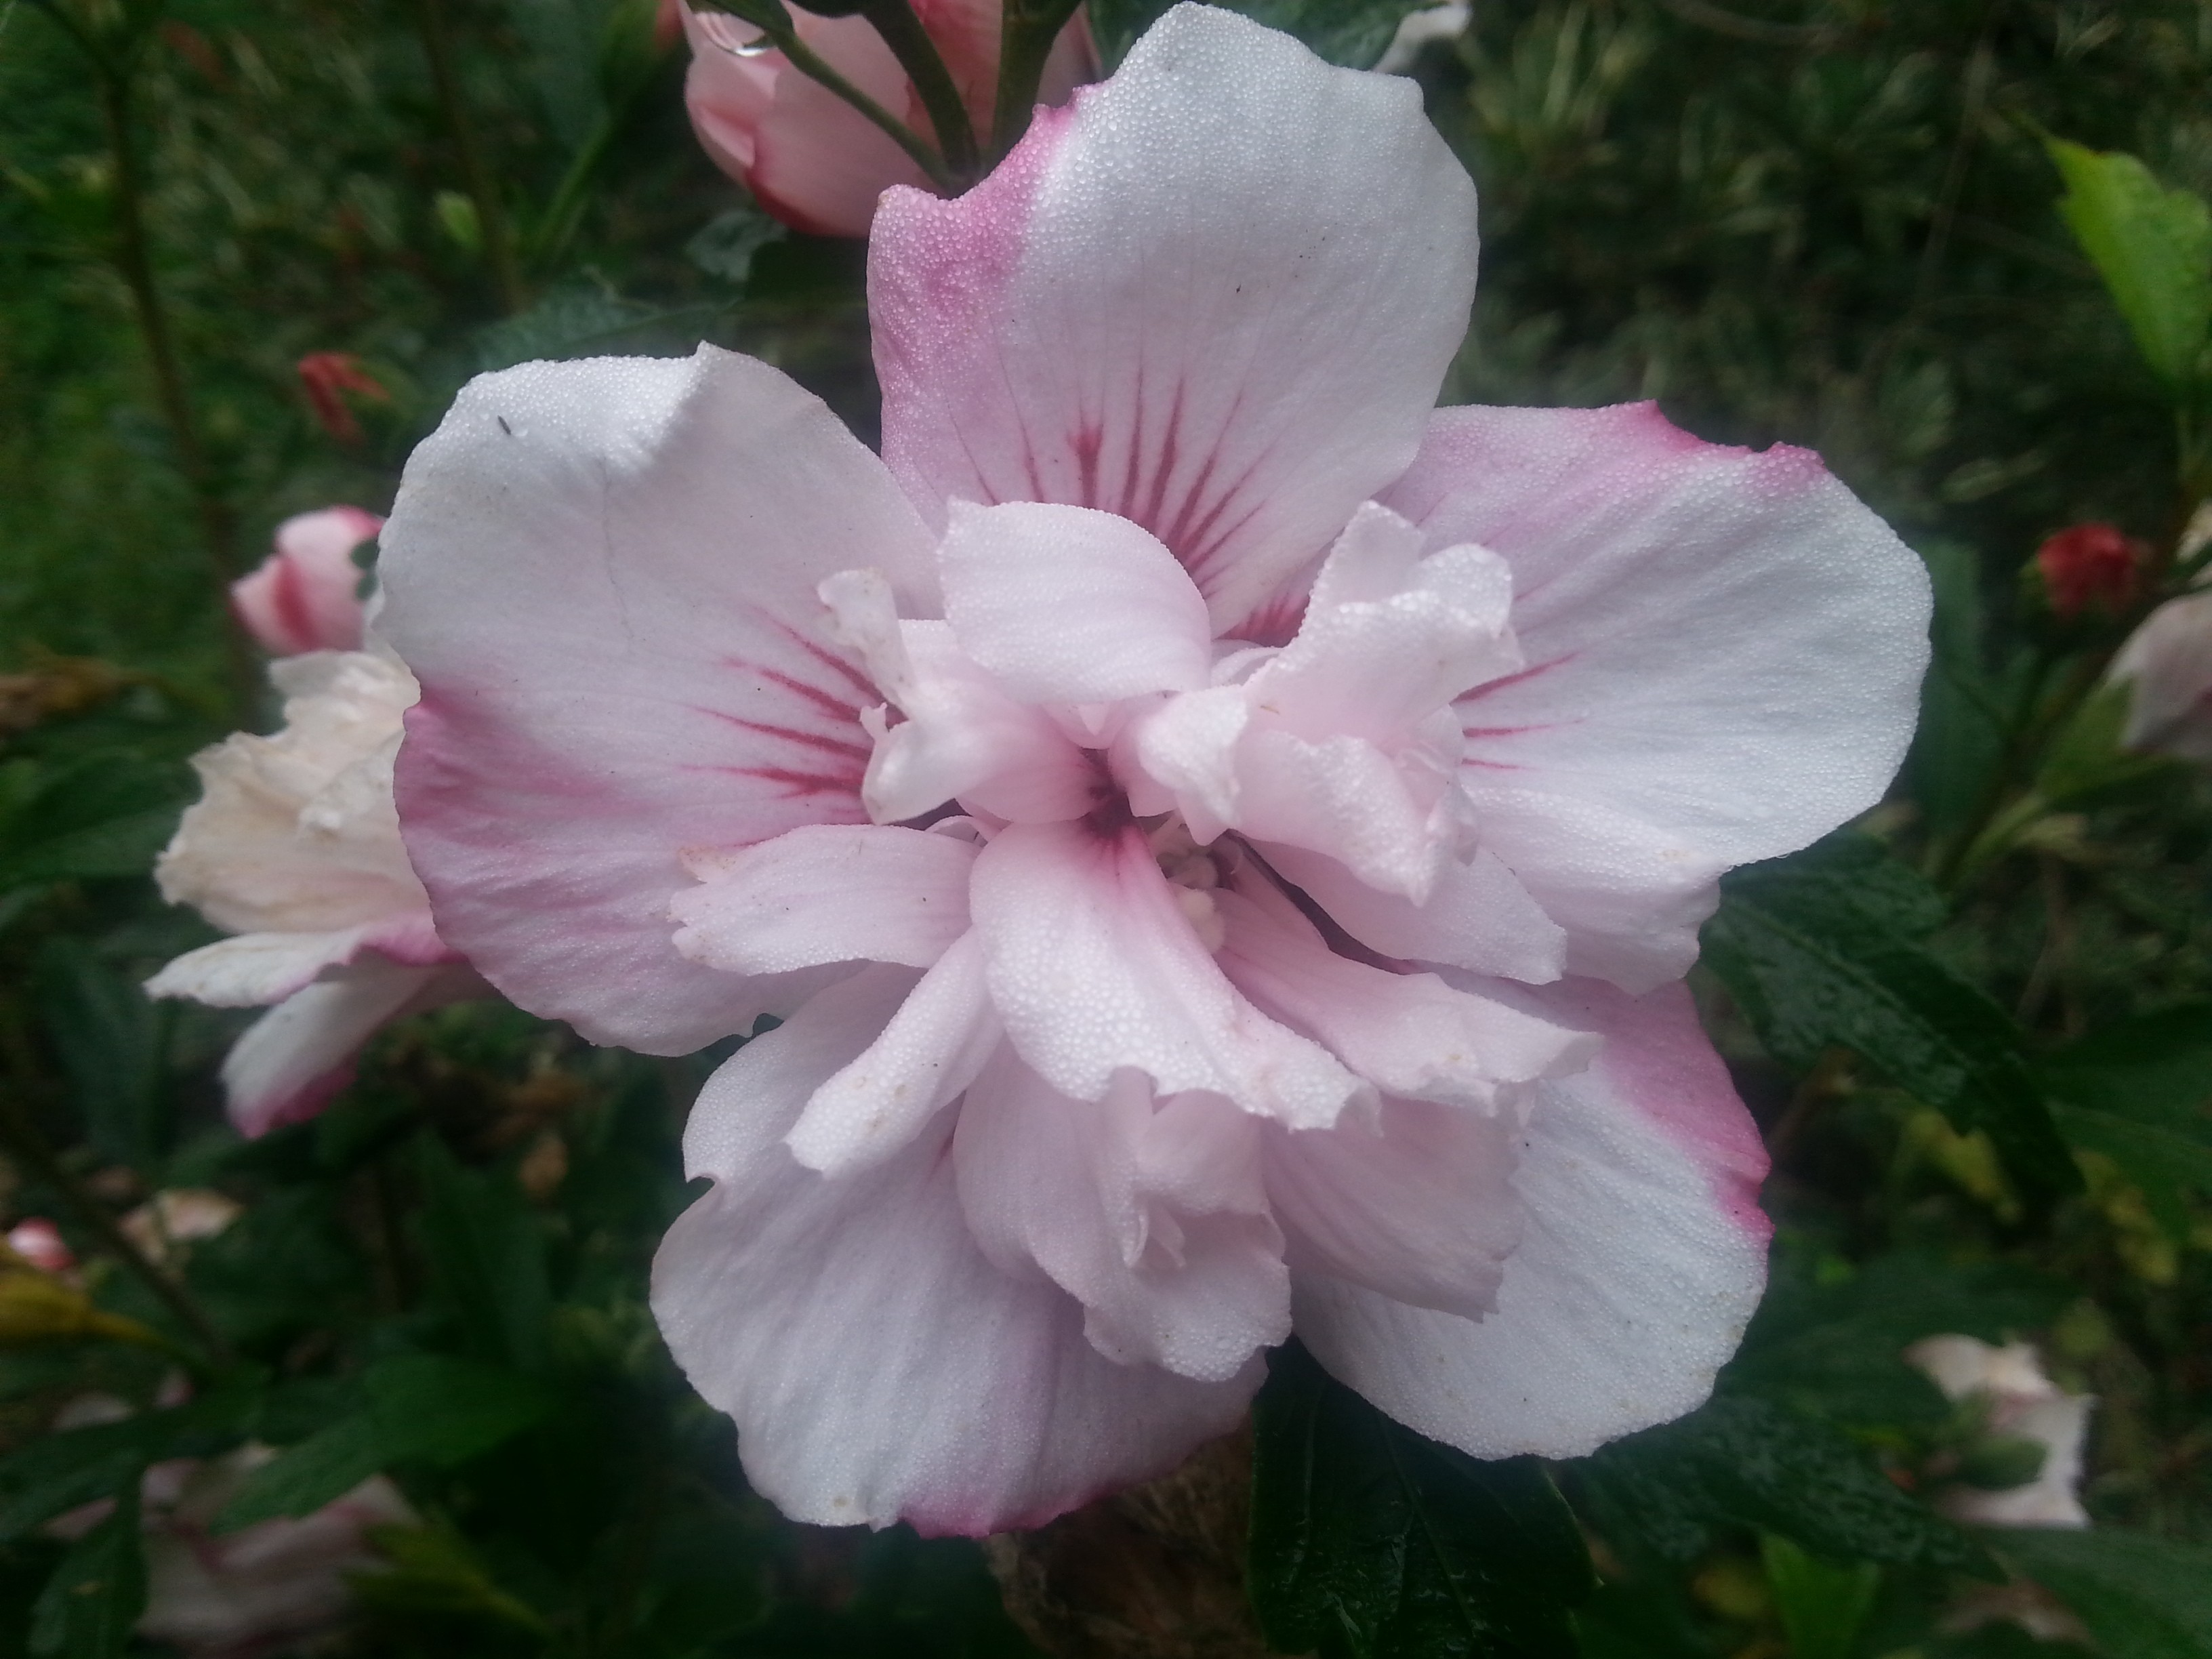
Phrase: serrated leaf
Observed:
(1371, 1542)
(89, 1606)
(1352, 32)
(420, 1408)
(2137, 1092)
(1741, 1462)
(299, 1479)
(2141, 1597)
(1821, 950)
(2152, 245)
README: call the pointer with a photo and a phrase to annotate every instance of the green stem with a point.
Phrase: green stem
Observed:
(1025, 43)
(499, 246)
(134, 260)
(918, 56)
(808, 62)
(24, 1139)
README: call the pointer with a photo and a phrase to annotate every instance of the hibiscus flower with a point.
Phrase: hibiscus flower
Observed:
(1222, 835)
(294, 849)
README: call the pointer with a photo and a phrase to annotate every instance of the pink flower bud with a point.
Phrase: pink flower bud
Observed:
(2088, 567)
(2168, 666)
(39, 1241)
(304, 596)
(325, 376)
(810, 158)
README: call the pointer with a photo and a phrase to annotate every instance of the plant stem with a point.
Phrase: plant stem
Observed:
(810, 63)
(134, 260)
(918, 56)
(1025, 43)
(24, 1139)
(499, 247)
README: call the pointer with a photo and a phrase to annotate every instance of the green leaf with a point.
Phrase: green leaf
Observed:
(1960, 736)
(435, 1571)
(89, 1606)
(1369, 1541)
(422, 1408)
(1836, 1348)
(105, 816)
(2137, 1092)
(1820, 951)
(1352, 32)
(487, 1253)
(2141, 1597)
(1822, 1607)
(1740, 1461)
(299, 1479)
(2152, 245)
(58, 1472)
(111, 1039)
(432, 1409)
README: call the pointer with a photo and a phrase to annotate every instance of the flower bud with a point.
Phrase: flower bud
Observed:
(40, 1242)
(326, 377)
(2168, 666)
(305, 596)
(2088, 567)
(810, 158)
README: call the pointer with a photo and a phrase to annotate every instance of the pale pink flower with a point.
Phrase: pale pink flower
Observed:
(1197, 809)
(2167, 664)
(306, 595)
(2021, 1403)
(294, 847)
(180, 1215)
(264, 1588)
(809, 157)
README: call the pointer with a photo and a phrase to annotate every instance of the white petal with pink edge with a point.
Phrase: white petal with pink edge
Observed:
(291, 1060)
(1724, 656)
(651, 534)
(1644, 1254)
(877, 1366)
(1186, 300)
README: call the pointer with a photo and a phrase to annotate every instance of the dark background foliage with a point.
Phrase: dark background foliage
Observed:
(1978, 1030)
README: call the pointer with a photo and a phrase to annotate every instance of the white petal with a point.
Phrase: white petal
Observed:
(1409, 1034)
(827, 893)
(1724, 649)
(1644, 1256)
(1094, 967)
(1152, 1218)
(1416, 1206)
(1478, 916)
(1215, 296)
(930, 1051)
(605, 574)
(1067, 604)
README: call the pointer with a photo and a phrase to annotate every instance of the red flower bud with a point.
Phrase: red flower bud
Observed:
(325, 375)
(2089, 565)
